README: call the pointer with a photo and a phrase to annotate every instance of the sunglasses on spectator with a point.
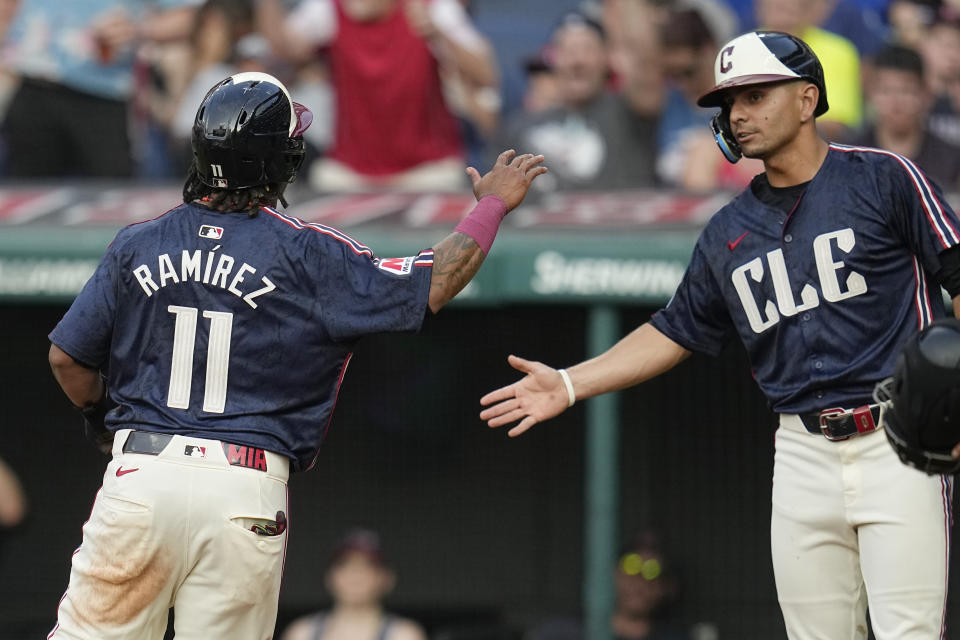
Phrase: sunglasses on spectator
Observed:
(633, 564)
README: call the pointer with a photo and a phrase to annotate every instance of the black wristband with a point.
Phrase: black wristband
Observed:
(94, 425)
(949, 273)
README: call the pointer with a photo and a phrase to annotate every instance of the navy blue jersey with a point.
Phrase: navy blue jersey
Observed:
(235, 328)
(823, 297)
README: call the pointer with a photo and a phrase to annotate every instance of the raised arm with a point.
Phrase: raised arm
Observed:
(457, 258)
(543, 393)
(271, 22)
(455, 41)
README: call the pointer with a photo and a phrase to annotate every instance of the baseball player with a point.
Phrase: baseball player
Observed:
(223, 329)
(823, 267)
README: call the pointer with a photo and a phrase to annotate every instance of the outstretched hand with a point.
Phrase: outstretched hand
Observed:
(538, 396)
(509, 178)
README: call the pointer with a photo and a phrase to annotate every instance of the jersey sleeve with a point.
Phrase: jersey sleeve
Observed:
(921, 215)
(362, 294)
(696, 317)
(85, 330)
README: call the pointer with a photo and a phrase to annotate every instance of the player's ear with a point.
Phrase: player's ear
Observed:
(808, 95)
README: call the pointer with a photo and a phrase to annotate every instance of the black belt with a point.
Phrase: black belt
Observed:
(840, 424)
(153, 444)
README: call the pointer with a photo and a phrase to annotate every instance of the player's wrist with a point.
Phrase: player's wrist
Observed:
(484, 221)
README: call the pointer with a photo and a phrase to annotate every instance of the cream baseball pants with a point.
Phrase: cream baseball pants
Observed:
(852, 525)
(174, 530)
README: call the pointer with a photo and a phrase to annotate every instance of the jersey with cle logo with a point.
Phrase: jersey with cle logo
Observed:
(823, 298)
(235, 328)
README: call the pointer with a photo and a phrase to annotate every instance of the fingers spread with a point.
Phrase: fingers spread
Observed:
(537, 171)
(503, 393)
(530, 161)
(519, 160)
(506, 156)
(507, 418)
(500, 409)
(525, 424)
(520, 364)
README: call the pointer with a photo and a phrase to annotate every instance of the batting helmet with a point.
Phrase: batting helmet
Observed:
(922, 419)
(759, 57)
(248, 132)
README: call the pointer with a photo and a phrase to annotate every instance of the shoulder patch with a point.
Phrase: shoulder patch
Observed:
(398, 266)
(211, 232)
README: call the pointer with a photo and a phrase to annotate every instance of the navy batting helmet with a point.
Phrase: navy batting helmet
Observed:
(922, 420)
(248, 132)
(759, 57)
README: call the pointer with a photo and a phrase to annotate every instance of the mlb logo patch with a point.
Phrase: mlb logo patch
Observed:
(211, 232)
(220, 183)
(398, 266)
(194, 451)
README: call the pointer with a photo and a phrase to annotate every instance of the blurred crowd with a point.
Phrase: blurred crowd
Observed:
(406, 93)
(359, 579)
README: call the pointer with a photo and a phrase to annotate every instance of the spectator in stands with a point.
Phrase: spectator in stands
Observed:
(910, 19)
(595, 139)
(476, 105)
(687, 157)
(542, 92)
(393, 127)
(8, 80)
(8, 10)
(839, 57)
(222, 43)
(900, 103)
(13, 503)
(941, 54)
(75, 60)
(859, 21)
(645, 586)
(358, 580)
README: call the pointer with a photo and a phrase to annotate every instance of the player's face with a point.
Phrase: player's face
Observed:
(765, 117)
(357, 580)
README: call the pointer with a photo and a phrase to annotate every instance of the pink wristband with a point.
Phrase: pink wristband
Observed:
(483, 222)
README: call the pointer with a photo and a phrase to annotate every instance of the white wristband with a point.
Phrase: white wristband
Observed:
(571, 396)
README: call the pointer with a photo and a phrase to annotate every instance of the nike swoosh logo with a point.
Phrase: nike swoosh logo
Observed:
(733, 243)
(122, 472)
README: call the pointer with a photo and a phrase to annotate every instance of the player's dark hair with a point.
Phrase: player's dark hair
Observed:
(686, 29)
(899, 58)
(248, 200)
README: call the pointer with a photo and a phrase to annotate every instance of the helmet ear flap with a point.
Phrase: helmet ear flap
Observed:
(723, 134)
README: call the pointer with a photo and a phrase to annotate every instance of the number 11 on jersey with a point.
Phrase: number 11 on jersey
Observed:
(218, 358)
